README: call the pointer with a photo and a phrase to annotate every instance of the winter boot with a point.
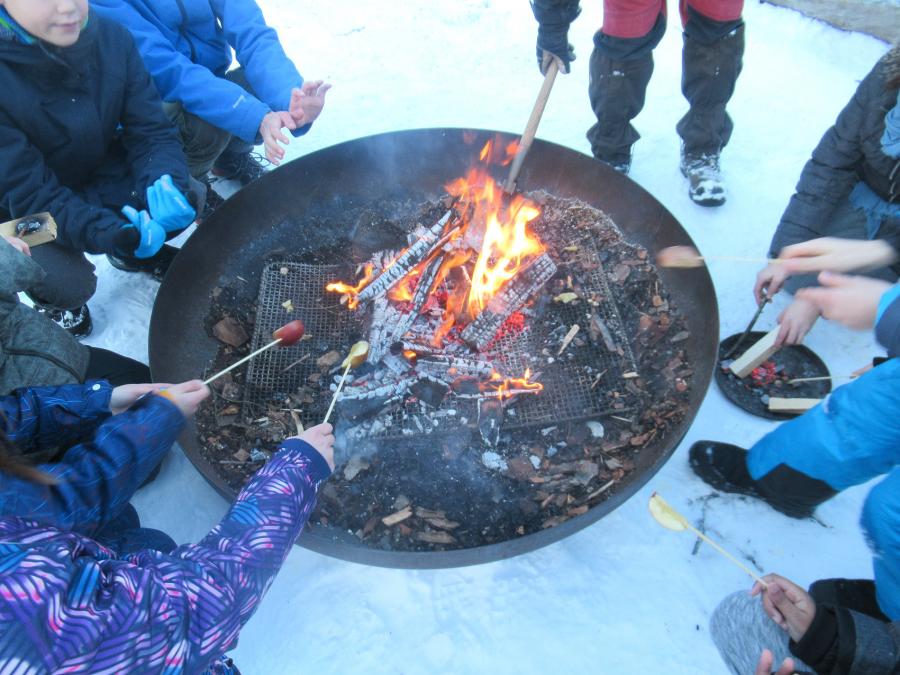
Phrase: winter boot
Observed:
(244, 167)
(724, 467)
(709, 73)
(213, 201)
(705, 186)
(76, 321)
(617, 89)
(156, 267)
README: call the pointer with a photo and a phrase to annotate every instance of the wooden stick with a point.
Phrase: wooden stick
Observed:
(337, 392)
(531, 127)
(756, 354)
(243, 360)
(821, 378)
(792, 405)
(721, 550)
(743, 259)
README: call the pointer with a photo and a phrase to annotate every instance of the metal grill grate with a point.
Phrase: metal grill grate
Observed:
(571, 391)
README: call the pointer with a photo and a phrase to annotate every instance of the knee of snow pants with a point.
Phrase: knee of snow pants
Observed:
(849, 438)
(881, 523)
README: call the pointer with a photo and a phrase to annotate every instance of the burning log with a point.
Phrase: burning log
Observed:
(385, 316)
(407, 260)
(516, 293)
(448, 368)
(423, 289)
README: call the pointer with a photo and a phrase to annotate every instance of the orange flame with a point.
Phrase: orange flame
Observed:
(352, 291)
(509, 387)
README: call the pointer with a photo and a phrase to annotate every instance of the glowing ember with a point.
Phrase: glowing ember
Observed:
(510, 386)
(350, 292)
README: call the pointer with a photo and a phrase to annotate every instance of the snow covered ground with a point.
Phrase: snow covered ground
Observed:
(622, 596)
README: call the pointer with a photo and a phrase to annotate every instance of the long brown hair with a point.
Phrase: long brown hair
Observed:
(10, 464)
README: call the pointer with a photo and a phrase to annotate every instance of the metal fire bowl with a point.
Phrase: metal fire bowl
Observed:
(261, 221)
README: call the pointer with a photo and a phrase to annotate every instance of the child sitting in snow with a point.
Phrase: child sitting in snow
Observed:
(849, 188)
(221, 113)
(82, 135)
(840, 626)
(117, 599)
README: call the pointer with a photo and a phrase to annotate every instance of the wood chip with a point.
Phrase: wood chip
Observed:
(573, 331)
(230, 331)
(435, 537)
(397, 517)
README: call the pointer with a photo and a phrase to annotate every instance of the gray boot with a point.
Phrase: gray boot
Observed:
(710, 71)
(617, 90)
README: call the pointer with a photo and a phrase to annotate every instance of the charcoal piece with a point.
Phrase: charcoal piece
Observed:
(430, 392)
(530, 278)
(407, 260)
(490, 419)
(466, 384)
(360, 409)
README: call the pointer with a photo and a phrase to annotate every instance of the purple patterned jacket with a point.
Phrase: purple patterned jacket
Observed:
(67, 604)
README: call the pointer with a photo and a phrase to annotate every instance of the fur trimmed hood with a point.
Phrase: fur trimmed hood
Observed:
(891, 62)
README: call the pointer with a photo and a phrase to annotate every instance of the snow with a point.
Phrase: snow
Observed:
(624, 595)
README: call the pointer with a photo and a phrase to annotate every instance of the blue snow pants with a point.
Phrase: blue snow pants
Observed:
(848, 439)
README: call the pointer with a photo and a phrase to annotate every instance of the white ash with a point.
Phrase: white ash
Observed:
(597, 430)
(535, 461)
(494, 461)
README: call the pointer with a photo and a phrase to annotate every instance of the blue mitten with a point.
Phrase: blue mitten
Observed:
(152, 234)
(168, 206)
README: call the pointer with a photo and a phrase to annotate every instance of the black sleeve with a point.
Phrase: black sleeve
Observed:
(829, 176)
(152, 142)
(555, 12)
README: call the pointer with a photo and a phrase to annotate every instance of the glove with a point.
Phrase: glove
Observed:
(168, 206)
(152, 235)
(553, 42)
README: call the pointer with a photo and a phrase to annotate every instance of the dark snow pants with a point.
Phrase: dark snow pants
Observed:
(848, 439)
(622, 63)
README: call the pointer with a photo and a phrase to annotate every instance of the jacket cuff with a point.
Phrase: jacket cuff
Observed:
(318, 467)
(97, 393)
(818, 646)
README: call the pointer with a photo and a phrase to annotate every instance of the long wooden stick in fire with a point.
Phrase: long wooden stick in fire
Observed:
(356, 357)
(531, 127)
(287, 335)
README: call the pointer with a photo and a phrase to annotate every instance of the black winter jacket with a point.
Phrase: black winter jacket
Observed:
(82, 133)
(849, 152)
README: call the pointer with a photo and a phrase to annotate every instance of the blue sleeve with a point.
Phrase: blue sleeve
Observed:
(257, 48)
(887, 322)
(96, 478)
(38, 418)
(214, 99)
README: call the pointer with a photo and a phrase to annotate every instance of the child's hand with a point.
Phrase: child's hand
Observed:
(770, 279)
(125, 396)
(270, 130)
(308, 101)
(322, 439)
(187, 396)
(767, 661)
(18, 244)
(796, 321)
(787, 604)
(849, 300)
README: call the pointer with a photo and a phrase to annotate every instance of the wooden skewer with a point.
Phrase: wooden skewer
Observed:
(337, 392)
(821, 378)
(721, 550)
(356, 357)
(243, 360)
(531, 127)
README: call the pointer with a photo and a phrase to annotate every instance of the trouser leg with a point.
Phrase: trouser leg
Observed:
(70, 280)
(711, 62)
(202, 141)
(881, 523)
(620, 69)
(740, 629)
(848, 439)
(115, 368)
(123, 534)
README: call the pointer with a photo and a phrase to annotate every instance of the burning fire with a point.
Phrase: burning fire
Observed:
(351, 292)
(509, 387)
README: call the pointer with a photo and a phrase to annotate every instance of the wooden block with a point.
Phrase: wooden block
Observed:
(46, 232)
(759, 352)
(792, 405)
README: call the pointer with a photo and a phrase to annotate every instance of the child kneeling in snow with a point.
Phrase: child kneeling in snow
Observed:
(131, 601)
(82, 135)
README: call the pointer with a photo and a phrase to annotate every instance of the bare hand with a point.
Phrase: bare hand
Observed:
(187, 396)
(18, 244)
(123, 397)
(796, 321)
(769, 279)
(270, 130)
(767, 660)
(837, 255)
(788, 605)
(322, 439)
(307, 102)
(849, 300)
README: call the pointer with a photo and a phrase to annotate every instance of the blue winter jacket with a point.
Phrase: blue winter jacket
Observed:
(107, 457)
(186, 46)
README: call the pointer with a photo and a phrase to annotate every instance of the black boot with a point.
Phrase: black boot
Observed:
(617, 89)
(213, 201)
(724, 467)
(77, 322)
(156, 267)
(244, 167)
(709, 72)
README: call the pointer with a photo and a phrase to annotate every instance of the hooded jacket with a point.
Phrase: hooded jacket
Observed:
(849, 152)
(187, 47)
(33, 349)
(82, 133)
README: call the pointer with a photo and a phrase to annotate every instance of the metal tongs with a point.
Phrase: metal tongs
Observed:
(737, 345)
